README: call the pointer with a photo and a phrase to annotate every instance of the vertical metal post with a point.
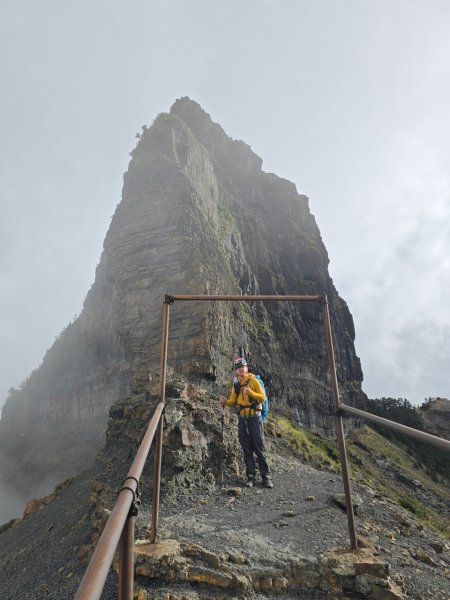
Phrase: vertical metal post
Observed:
(339, 426)
(156, 482)
(126, 560)
(159, 439)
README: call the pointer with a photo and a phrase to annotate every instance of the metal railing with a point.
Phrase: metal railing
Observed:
(410, 431)
(120, 526)
(323, 300)
(339, 408)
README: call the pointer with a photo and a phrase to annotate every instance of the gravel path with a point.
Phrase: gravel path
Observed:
(289, 515)
(299, 517)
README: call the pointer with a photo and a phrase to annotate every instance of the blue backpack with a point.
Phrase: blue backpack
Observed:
(265, 404)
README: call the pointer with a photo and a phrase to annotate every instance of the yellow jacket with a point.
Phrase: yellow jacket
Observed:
(250, 403)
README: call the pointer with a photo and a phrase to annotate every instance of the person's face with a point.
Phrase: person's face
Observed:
(241, 371)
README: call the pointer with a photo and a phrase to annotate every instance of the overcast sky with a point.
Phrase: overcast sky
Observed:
(349, 99)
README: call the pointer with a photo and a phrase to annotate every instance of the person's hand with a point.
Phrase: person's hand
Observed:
(222, 401)
(246, 390)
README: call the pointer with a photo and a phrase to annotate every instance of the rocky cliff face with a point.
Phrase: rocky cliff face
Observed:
(436, 414)
(198, 215)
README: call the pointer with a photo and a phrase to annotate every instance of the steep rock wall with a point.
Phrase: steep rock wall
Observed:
(198, 215)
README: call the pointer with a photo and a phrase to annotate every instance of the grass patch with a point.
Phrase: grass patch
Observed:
(395, 453)
(307, 445)
(227, 221)
(426, 515)
(364, 446)
(415, 507)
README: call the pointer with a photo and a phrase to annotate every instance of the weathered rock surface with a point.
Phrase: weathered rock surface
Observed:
(436, 414)
(338, 573)
(198, 215)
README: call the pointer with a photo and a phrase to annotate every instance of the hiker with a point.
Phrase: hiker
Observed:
(247, 395)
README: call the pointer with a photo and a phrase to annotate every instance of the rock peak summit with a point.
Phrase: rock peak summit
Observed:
(197, 216)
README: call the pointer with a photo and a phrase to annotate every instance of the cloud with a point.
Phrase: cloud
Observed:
(400, 292)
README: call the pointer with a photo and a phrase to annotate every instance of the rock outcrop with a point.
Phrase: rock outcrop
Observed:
(198, 215)
(436, 414)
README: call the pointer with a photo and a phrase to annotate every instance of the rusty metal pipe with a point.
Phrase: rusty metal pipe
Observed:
(156, 483)
(91, 585)
(246, 298)
(164, 344)
(126, 560)
(339, 426)
(414, 433)
(138, 464)
(159, 438)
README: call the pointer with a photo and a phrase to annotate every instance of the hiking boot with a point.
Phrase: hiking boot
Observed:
(267, 482)
(250, 482)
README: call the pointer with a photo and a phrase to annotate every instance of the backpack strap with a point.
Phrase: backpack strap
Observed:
(253, 405)
(237, 386)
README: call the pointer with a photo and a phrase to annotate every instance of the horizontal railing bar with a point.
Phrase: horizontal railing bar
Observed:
(414, 433)
(92, 584)
(260, 298)
(139, 462)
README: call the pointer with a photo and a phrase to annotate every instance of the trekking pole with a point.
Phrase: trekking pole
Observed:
(222, 410)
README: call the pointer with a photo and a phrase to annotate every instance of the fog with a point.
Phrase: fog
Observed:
(11, 504)
(347, 99)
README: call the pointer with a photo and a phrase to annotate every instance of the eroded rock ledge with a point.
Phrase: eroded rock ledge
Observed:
(341, 573)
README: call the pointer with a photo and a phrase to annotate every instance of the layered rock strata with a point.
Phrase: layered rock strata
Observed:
(198, 216)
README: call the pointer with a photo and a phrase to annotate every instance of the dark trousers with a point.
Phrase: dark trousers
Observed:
(251, 438)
